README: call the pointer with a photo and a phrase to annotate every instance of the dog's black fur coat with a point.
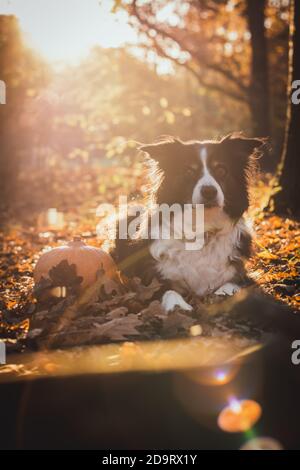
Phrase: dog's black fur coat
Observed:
(174, 170)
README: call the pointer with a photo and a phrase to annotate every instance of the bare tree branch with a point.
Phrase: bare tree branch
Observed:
(196, 56)
(205, 84)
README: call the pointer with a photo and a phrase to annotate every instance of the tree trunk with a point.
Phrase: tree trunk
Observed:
(259, 83)
(287, 200)
(10, 63)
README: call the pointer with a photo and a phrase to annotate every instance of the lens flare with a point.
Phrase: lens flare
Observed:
(239, 415)
(215, 376)
(262, 443)
(220, 376)
(235, 405)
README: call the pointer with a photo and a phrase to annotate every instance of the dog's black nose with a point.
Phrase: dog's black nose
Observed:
(208, 193)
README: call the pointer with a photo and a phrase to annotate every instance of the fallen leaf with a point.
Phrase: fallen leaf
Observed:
(65, 274)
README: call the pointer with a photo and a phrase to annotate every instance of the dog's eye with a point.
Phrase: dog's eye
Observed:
(220, 170)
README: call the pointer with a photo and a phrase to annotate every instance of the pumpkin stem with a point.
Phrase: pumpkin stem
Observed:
(77, 241)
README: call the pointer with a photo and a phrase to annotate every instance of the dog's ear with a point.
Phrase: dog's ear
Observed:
(246, 147)
(163, 152)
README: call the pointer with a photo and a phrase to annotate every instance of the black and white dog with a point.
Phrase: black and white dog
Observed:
(212, 173)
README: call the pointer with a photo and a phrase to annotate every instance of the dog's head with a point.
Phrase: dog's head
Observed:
(213, 173)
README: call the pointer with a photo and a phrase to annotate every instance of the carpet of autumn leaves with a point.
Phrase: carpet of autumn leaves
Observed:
(274, 265)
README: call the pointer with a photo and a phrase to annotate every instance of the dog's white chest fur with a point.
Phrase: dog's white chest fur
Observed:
(202, 271)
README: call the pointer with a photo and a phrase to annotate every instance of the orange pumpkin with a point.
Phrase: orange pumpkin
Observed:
(88, 260)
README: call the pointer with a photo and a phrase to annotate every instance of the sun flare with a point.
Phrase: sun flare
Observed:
(66, 30)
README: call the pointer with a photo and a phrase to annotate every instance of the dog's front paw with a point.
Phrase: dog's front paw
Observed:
(228, 289)
(172, 299)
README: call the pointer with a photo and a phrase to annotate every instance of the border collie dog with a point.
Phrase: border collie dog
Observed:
(212, 173)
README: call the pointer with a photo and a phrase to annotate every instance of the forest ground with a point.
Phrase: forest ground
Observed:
(274, 265)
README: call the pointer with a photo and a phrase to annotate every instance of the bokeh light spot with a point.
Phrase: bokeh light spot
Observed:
(239, 415)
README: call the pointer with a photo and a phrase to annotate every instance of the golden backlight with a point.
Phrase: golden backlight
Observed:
(65, 30)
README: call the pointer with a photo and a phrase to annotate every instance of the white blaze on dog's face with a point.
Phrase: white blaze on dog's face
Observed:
(207, 190)
(213, 173)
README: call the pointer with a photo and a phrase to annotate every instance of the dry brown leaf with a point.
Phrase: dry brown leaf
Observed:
(145, 293)
(175, 322)
(117, 313)
(120, 329)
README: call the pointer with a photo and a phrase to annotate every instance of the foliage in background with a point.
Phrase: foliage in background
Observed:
(99, 108)
(236, 48)
(190, 76)
(23, 74)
